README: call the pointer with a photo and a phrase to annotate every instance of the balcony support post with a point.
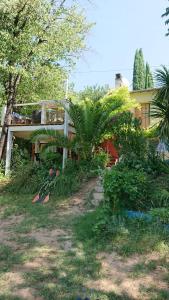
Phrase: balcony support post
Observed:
(43, 114)
(8, 152)
(66, 125)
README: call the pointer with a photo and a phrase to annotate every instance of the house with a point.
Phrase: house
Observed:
(29, 117)
(144, 99)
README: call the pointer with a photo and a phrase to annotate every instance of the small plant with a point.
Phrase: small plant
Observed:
(100, 159)
(126, 189)
(160, 214)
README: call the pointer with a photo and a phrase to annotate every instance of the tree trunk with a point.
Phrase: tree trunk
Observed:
(11, 89)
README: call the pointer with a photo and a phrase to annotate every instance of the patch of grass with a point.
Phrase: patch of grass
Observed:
(8, 258)
(26, 241)
(156, 293)
(143, 268)
(9, 297)
(125, 236)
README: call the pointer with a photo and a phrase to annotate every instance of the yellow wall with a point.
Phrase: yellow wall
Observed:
(144, 98)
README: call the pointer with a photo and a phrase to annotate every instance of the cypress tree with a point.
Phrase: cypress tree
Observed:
(136, 71)
(142, 76)
(139, 71)
(142, 71)
(149, 83)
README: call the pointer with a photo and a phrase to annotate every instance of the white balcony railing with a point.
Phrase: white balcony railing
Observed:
(49, 112)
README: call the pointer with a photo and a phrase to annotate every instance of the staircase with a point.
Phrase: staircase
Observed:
(97, 195)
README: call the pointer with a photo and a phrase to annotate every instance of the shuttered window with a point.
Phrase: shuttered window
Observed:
(145, 115)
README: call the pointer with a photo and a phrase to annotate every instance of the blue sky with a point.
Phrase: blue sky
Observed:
(121, 27)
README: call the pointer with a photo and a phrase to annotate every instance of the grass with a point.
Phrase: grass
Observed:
(126, 237)
(53, 271)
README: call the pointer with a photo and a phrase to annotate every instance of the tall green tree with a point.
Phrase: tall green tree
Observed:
(160, 103)
(149, 82)
(139, 71)
(36, 35)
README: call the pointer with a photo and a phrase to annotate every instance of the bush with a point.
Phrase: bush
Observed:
(160, 214)
(100, 159)
(108, 224)
(29, 179)
(126, 189)
(159, 196)
(51, 159)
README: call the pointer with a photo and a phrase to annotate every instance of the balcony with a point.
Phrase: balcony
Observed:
(34, 114)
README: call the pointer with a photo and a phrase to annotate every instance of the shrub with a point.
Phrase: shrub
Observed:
(108, 224)
(126, 189)
(161, 214)
(29, 179)
(159, 196)
(51, 159)
(100, 159)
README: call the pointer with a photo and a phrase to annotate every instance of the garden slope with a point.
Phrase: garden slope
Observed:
(41, 258)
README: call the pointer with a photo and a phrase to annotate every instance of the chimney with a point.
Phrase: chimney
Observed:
(121, 81)
(118, 81)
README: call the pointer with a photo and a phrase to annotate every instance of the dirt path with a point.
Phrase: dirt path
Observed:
(41, 262)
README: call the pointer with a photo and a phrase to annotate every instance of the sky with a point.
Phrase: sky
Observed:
(120, 28)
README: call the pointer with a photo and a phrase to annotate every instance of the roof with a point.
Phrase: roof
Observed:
(145, 90)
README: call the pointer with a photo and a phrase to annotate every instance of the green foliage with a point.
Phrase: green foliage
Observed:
(2, 170)
(100, 159)
(149, 83)
(160, 103)
(51, 159)
(49, 84)
(161, 214)
(126, 189)
(142, 76)
(29, 179)
(27, 31)
(90, 123)
(139, 71)
(166, 14)
(20, 155)
(129, 136)
(108, 224)
(103, 231)
(160, 194)
(93, 93)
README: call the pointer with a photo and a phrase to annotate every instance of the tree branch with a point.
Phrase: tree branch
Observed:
(16, 20)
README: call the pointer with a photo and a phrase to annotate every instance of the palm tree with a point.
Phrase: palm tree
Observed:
(91, 121)
(160, 103)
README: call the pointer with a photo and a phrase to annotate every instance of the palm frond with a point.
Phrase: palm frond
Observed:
(160, 103)
(51, 135)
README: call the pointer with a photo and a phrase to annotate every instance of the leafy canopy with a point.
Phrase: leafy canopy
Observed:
(93, 93)
(38, 38)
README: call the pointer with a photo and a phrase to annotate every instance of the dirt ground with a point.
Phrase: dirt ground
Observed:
(43, 253)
